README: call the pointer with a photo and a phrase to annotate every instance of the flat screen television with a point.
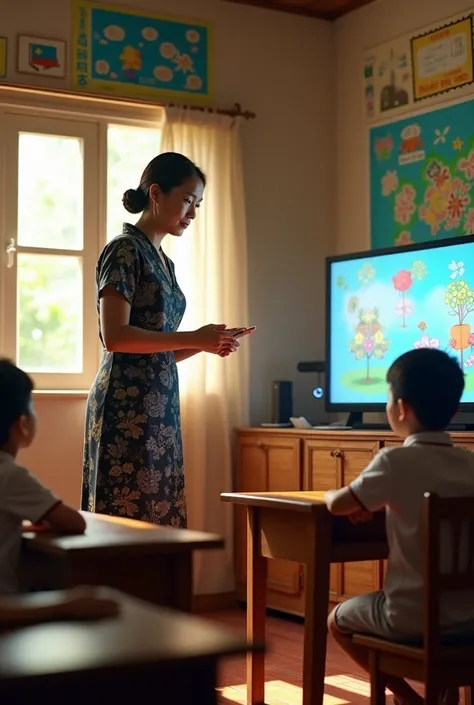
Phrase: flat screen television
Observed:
(383, 303)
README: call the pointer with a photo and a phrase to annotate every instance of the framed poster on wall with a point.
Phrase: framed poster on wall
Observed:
(135, 53)
(442, 59)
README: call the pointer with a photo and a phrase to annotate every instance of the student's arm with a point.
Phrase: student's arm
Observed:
(64, 519)
(28, 499)
(372, 490)
(341, 502)
(78, 603)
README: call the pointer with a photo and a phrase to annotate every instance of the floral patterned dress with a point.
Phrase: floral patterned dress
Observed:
(133, 457)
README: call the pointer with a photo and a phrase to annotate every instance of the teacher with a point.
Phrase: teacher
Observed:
(133, 456)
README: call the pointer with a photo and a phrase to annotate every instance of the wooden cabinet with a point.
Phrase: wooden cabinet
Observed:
(266, 463)
(279, 460)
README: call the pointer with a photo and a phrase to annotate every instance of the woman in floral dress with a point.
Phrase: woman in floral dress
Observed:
(133, 456)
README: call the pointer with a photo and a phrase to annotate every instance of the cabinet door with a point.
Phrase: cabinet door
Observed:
(250, 476)
(330, 464)
(267, 463)
(320, 471)
(284, 475)
(358, 578)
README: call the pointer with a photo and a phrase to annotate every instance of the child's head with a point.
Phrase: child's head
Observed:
(17, 418)
(425, 388)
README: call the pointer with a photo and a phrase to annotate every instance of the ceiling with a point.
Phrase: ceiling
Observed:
(322, 9)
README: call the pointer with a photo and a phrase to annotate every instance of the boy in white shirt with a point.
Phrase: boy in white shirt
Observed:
(425, 388)
(22, 496)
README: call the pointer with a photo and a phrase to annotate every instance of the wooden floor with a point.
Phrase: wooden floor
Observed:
(345, 683)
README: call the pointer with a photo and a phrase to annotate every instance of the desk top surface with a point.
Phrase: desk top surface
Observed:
(107, 532)
(342, 530)
(142, 634)
(296, 501)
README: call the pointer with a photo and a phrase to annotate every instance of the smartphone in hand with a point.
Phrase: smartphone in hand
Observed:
(241, 332)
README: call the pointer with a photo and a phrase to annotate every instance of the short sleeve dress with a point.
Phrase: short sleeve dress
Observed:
(133, 457)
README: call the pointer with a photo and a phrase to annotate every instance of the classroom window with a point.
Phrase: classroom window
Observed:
(129, 149)
(61, 200)
(50, 201)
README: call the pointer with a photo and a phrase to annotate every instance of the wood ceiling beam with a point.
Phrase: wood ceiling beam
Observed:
(305, 9)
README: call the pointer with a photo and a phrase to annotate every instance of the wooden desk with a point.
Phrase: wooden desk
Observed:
(150, 562)
(146, 654)
(296, 526)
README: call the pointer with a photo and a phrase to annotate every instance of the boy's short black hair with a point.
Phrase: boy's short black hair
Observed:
(15, 396)
(431, 383)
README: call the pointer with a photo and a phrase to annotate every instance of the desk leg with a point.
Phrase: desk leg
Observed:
(182, 590)
(256, 608)
(316, 610)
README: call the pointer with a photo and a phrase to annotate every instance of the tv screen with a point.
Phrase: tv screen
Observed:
(384, 303)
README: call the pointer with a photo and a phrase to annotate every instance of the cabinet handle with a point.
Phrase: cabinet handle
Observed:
(337, 453)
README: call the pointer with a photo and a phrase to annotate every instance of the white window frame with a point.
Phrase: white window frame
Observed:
(94, 114)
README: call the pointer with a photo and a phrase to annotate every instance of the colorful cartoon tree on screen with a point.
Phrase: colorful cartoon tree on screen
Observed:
(369, 341)
(403, 281)
(459, 298)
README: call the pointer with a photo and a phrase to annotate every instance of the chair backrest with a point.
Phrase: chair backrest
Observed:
(448, 558)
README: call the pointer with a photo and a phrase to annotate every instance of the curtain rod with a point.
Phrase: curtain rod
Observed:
(235, 112)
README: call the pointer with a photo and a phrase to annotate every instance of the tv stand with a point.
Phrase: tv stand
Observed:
(460, 426)
(355, 420)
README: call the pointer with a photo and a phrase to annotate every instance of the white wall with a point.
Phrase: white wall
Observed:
(369, 26)
(56, 455)
(280, 66)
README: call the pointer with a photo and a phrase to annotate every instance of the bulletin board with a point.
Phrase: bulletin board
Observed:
(131, 52)
(422, 176)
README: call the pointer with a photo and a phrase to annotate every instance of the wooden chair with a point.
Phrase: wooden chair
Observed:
(438, 667)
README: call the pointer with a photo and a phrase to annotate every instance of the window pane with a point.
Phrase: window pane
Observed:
(49, 318)
(50, 191)
(129, 149)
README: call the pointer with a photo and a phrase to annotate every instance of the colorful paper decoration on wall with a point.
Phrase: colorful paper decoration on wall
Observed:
(418, 66)
(388, 78)
(40, 56)
(422, 177)
(442, 59)
(131, 52)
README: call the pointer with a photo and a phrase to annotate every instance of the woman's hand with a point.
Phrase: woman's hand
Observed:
(213, 338)
(229, 348)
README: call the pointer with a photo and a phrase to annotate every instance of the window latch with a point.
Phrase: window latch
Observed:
(11, 252)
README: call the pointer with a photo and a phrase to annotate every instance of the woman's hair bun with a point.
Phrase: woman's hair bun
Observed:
(135, 200)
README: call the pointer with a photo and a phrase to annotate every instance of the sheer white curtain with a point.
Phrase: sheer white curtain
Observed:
(211, 267)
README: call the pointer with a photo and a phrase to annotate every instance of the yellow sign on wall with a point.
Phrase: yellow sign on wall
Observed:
(3, 57)
(443, 59)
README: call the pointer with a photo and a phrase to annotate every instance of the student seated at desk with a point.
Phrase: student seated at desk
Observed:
(424, 390)
(81, 603)
(22, 496)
